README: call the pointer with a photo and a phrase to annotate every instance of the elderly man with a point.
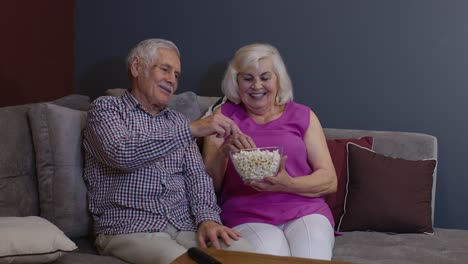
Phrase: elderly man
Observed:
(149, 194)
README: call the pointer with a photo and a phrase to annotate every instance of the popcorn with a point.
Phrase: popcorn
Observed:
(255, 164)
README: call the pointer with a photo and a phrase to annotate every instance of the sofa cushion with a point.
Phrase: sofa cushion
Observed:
(387, 194)
(18, 184)
(57, 139)
(31, 240)
(446, 246)
(338, 153)
(187, 104)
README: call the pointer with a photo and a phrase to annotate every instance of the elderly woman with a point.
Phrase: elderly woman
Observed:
(284, 214)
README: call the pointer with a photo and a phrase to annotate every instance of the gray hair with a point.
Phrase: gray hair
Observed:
(247, 57)
(146, 51)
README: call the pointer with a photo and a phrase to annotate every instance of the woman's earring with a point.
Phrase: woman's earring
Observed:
(277, 99)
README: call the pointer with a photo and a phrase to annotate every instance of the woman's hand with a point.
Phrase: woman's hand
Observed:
(235, 142)
(279, 183)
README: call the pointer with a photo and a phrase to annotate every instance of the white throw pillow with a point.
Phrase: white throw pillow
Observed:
(31, 239)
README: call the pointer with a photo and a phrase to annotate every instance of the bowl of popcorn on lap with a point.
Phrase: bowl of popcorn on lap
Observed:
(254, 164)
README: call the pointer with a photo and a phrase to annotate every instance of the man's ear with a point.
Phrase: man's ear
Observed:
(135, 67)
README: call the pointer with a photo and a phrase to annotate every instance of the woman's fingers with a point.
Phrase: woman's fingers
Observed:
(245, 141)
(242, 141)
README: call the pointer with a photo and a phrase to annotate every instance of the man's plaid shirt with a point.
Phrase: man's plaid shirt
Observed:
(144, 171)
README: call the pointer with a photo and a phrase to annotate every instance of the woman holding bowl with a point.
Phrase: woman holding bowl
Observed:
(283, 214)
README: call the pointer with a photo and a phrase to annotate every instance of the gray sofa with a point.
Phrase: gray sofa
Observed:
(41, 175)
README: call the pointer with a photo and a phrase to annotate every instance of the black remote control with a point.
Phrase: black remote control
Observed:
(201, 257)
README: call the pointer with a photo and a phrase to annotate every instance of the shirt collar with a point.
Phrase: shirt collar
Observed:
(132, 103)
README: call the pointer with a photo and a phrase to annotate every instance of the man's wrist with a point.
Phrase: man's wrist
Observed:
(213, 219)
(185, 133)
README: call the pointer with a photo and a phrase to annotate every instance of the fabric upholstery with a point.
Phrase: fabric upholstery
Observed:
(57, 132)
(446, 246)
(206, 102)
(115, 91)
(74, 101)
(187, 104)
(18, 184)
(387, 194)
(86, 258)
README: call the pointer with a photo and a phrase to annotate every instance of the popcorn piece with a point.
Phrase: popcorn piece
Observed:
(256, 164)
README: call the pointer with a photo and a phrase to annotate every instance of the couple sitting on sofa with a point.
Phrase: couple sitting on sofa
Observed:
(151, 194)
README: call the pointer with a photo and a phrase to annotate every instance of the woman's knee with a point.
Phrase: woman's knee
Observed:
(311, 236)
(265, 238)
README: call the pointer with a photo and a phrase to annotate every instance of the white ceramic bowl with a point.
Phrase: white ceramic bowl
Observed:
(256, 163)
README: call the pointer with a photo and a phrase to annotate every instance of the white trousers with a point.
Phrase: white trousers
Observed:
(311, 236)
(155, 248)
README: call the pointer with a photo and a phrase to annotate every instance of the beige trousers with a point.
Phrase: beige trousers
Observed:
(159, 247)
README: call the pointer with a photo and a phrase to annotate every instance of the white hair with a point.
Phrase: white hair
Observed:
(146, 51)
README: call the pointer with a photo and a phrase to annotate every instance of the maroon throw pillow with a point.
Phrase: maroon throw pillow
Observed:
(338, 152)
(387, 194)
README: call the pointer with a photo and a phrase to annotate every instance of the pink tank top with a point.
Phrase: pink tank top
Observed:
(242, 204)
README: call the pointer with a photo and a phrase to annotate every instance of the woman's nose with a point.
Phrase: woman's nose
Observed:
(257, 83)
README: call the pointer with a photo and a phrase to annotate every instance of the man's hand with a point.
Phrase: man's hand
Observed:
(214, 124)
(236, 142)
(210, 231)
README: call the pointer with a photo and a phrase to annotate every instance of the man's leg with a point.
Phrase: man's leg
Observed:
(265, 238)
(141, 248)
(159, 247)
(311, 236)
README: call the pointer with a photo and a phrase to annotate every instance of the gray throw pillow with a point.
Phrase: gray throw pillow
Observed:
(187, 104)
(18, 184)
(57, 140)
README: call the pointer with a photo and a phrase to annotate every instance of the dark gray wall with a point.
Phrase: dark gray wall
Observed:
(382, 65)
